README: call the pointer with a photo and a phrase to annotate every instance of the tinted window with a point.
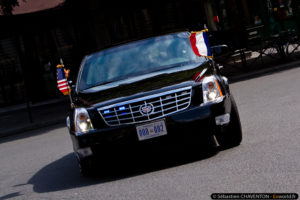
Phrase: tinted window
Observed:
(136, 58)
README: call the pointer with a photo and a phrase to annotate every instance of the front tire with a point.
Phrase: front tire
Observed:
(85, 166)
(231, 136)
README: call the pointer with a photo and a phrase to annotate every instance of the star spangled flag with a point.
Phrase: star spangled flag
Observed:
(62, 80)
(200, 43)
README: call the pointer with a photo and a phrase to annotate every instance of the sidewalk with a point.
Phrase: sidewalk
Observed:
(16, 119)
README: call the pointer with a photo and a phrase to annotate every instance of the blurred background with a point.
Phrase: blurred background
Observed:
(35, 34)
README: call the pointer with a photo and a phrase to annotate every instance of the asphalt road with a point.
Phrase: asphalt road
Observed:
(40, 164)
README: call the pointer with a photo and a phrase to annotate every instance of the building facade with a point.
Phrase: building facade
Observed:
(32, 43)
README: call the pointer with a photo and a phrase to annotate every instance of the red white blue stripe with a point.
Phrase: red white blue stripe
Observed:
(62, 81)
(200, 44)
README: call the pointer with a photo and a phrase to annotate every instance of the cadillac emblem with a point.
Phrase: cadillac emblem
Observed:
(146, 109)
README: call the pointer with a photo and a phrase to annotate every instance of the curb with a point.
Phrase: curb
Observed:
(266, 71)
(30, 127)
(24, 106)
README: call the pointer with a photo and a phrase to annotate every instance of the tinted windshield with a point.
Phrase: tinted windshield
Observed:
(136, 58)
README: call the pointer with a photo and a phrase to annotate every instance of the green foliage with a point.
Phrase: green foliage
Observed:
(6, 6)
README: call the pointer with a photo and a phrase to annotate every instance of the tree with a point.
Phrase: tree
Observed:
(7, 6)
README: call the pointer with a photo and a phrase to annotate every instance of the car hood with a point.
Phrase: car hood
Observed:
(179, 76)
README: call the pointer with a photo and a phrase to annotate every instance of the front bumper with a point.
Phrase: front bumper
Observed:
(183, 127)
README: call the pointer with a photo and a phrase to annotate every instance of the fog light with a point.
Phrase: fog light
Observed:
(223, 119)
(85, 151)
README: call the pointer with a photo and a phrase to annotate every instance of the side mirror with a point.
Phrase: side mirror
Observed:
(220, 50)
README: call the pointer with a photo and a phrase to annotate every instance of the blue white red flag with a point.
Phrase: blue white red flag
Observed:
(200, 43)
(62, 81)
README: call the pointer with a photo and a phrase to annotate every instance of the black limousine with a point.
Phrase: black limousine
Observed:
(155, 89)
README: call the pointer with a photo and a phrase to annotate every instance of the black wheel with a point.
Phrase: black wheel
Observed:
(231, 136)
(85, 166)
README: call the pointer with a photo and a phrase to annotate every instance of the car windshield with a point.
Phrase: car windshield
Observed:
(136, 58)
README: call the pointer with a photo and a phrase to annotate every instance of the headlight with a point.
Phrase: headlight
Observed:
(211, 90)
(83, 122)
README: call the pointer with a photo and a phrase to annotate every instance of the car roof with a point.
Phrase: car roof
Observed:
(136, 40)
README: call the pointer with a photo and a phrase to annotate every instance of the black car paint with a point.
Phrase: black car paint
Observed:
(193, 122)
(164, 78)
(103, 134)
(177, 124)
(168, 79)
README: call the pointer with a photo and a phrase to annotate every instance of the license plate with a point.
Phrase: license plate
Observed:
(151, 130)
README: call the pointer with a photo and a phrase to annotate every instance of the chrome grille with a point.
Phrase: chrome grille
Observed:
(161, 105)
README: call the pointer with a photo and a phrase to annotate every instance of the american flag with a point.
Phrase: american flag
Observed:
(62, 81)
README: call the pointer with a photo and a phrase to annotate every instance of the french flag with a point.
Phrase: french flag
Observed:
(200, 43)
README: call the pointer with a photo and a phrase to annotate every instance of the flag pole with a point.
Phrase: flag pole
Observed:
(66, 74)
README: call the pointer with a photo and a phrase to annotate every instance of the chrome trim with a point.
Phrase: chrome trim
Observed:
(116, 114)
(144, 98)
(219, 100)
(131, 113)
(146, 104)
(225, 79)
(180, 101)
(68, 122)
